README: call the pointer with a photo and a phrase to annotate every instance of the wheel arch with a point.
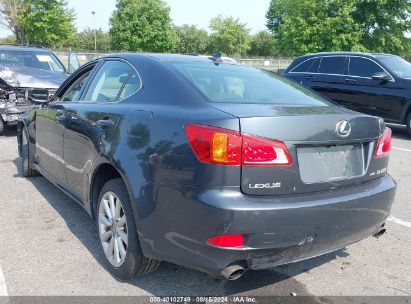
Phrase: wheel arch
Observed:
(406, 112)
(103, 173)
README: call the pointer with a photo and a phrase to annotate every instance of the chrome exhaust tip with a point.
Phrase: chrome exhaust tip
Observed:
(233, 272)
(380, 233)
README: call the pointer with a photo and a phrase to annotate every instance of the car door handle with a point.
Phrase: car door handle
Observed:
(350, 80)
(310, 77)
(107, 122)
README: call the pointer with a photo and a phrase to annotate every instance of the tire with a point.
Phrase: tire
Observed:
(25, 157)
(130, 261)
(408, 123)
(2, 126)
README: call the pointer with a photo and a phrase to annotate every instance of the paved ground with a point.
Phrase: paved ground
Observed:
(48, 246)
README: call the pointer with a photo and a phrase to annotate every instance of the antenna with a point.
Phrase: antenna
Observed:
(216, 58)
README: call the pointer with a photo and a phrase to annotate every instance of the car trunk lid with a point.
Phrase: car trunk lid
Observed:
(322, 159)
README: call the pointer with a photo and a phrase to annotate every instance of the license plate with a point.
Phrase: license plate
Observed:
(13, 117)
(12, 97)
(334, 163)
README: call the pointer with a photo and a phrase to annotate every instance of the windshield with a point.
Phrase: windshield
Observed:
(228, 83)
(35, 60)
(397, 65)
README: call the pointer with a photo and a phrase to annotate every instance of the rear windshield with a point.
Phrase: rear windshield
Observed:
(35, 60)
(228, 83)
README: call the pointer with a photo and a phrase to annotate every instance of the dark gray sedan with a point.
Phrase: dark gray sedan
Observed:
(211, 165)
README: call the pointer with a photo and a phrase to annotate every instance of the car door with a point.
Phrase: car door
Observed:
(50, 128)
(93, 121)
(330, 79)
(49, 141)
(371, 96)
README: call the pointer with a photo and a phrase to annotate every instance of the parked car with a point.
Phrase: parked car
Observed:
(215, 166)
(375, 84)
(28, 77)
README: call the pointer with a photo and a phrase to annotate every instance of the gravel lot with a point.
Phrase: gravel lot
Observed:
(49, 247)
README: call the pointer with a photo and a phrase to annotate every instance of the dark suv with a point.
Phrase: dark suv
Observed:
(375, 84)
(28, 77)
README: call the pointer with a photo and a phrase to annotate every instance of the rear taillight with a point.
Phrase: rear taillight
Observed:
(226, 147)
(264, 152)
(215, 145)
(227, 240)
(384, 144)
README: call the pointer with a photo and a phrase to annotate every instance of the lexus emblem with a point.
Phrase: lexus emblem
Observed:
(343, 128)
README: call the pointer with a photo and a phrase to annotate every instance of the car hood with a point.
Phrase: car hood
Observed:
(25, 77)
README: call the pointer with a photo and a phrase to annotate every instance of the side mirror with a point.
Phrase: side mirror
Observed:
(73, 63)
(381, 76)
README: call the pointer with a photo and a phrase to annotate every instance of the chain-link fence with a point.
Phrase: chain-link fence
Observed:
(272, 64)
(83, 57)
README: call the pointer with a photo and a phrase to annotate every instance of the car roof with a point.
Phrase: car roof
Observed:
(165, 57)
(7, 47)
(371, 55)
(177, 57)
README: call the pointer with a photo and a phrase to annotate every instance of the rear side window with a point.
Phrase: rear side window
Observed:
(229, 83)
(308, 66)
(109, 82)
(131, 86)
(333, 65)
(363, 67)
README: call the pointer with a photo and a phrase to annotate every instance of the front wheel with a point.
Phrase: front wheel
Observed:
(2, 126)
(25, 157)
(408, 123)
(118, 233)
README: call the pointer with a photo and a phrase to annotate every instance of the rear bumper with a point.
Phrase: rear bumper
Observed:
(277, 230)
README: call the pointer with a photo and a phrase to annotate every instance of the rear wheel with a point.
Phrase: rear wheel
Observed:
(118, 233)
(2, 126)
(408, 123)
(25, 157)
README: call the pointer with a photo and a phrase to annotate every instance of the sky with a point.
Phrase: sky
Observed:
(197, 12)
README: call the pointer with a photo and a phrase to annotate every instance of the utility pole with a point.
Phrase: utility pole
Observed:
(95, 31)
(16, 25)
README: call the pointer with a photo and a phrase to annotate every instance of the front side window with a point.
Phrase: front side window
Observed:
(363, 67)
(229, 83)
(35, 60)
(399, 66)
(74, 92)
(333, 65)
(109, 82)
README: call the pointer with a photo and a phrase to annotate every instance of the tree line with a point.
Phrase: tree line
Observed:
(306, 26)
(294, 27)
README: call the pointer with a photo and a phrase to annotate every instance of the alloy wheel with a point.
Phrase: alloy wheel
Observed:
(113, 229)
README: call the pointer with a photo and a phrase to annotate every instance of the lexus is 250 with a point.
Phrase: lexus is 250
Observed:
(209, 164)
